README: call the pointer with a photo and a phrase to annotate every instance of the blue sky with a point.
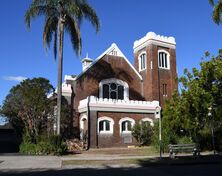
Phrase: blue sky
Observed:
(122, 21)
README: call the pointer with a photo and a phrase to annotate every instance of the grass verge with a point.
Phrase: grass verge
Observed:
(182, 160)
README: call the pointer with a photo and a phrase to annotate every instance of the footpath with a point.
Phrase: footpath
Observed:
(17, 162)
(8, 162)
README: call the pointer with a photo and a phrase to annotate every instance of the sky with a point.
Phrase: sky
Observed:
(122, 22)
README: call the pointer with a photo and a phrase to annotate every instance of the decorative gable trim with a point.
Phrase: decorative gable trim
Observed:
(114, 51)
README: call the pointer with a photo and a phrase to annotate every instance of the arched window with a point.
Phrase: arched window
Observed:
(148, 120)
(142, 61)
(126, 125)
(83, 126)
(105, 125)
(163, 59)
(114, 89)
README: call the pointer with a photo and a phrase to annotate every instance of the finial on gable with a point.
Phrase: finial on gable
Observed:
(86, 62)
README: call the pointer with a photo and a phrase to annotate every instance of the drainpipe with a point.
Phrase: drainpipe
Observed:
(97, 130)
(160, 125)
(88, 115)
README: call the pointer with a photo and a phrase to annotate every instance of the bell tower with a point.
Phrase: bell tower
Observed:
(155, 60)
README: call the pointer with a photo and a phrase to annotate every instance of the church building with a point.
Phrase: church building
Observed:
(110, 95)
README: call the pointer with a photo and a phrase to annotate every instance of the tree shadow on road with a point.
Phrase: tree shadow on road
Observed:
(181, 160)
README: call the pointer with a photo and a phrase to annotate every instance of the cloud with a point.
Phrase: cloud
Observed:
(14, 78)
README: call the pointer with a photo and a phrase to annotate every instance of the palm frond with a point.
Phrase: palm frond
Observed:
(217, 13)
(50, 28)
(35, 11)
(90, 14)
(211, 2)
(73, 29)
(55, 44)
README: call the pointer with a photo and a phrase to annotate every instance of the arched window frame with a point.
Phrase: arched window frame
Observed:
(117, 81)
(123, 120)
(139, 61)
(111, 121)
(81, 121)
(168, 59)
(147, 120)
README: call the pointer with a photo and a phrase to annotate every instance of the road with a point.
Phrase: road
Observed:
(165, 170)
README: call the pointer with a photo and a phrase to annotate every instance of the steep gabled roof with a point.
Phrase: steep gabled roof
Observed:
(112, 50)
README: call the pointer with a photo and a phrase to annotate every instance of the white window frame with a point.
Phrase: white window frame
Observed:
(81, 121)
(168, 59)
(147, 119)
(116, 81)
(123, 120)
(110, 131)
(81, 124)
(139, 60)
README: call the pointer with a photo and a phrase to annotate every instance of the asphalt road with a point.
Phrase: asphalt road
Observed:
(167, 170)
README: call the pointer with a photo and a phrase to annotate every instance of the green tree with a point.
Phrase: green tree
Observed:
(143, 133)
(186, 114)
(27, 107)
(217, 11)
(61, 16)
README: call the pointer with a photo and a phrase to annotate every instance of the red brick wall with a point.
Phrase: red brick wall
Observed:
(116, 140)
(107, 67)
(155, 78)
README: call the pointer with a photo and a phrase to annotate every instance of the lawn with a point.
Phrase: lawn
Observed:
(182, 160)
(136, 151)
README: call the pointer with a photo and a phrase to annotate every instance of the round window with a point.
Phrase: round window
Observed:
(113, 86)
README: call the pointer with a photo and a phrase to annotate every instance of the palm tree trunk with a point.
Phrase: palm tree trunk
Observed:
(60, 66)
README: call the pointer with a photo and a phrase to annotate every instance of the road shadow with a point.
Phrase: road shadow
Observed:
(166, 170)
(181, 160)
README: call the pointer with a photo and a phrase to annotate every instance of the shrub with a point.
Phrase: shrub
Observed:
(27, 148)
(56, 141)
(142, 132)
(53, 145)
(168, 136)
(184, 140)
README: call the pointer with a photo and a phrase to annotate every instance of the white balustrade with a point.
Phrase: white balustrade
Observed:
(130, 103)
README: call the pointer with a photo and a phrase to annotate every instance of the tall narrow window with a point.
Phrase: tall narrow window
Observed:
(142, 61)
(165, 90)
(164, 60)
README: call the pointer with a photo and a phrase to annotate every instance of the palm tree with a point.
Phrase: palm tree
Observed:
(61, 16)
(217, 11)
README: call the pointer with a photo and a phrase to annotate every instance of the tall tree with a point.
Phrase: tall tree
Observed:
(61, 16)
(27, 107)
(217, 11)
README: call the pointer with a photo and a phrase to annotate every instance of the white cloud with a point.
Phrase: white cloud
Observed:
(14, 78)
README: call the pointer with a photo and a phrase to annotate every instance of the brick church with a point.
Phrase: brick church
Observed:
(110, 95)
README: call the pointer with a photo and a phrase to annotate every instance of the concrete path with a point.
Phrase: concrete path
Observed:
(29, 162)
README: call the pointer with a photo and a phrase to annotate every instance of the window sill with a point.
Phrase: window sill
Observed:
(126, 132)
(142, 70)
(164, 68)
(105, 133)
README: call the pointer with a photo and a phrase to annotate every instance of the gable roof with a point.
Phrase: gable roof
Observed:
(112, 50)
